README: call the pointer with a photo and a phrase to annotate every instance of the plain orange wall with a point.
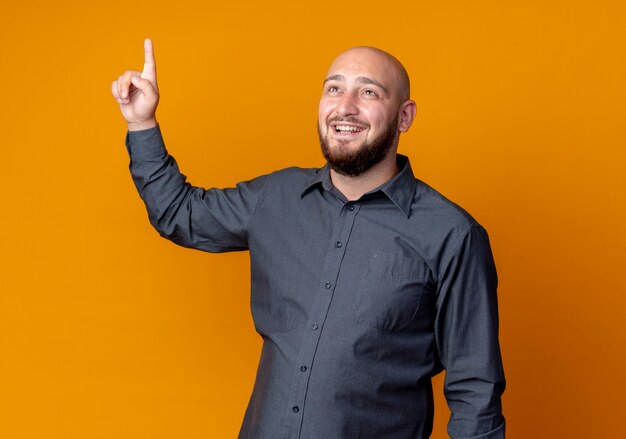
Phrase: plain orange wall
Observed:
(109, 331)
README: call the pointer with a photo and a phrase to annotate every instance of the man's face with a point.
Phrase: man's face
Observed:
(358, 111)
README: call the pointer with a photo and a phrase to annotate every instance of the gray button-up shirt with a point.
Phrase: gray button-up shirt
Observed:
(359, 303)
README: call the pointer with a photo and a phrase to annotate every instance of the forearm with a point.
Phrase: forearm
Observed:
(213, 220)
(160, 184)
(476, 409)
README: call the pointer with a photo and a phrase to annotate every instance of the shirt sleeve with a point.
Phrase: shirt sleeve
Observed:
(466, 331)
(213, 220)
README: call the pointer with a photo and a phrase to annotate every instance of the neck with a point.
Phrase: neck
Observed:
(353, 188)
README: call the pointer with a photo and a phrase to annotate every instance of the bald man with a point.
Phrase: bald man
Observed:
(366, 282)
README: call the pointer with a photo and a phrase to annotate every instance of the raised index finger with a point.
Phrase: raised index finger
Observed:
(149, 66)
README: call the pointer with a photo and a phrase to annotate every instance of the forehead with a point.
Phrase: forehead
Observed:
(365, 63)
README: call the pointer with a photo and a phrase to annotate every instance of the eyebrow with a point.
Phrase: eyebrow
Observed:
(359, 79)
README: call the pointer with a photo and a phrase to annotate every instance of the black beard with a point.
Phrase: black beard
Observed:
(369, 154)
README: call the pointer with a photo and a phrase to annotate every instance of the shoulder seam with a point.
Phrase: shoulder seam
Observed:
(259, 201)
(457, 245)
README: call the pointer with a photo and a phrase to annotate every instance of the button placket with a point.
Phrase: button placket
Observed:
(317, 317)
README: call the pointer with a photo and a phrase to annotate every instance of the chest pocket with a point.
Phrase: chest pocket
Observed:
(389, 295)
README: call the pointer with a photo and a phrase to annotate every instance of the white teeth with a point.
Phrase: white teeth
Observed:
(347, 129)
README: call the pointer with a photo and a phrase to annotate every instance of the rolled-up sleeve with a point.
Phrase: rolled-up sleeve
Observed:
(466, 331)
(213, 220)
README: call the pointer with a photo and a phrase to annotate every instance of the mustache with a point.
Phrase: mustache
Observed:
(349, 119)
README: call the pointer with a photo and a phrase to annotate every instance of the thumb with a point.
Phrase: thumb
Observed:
(144, 85)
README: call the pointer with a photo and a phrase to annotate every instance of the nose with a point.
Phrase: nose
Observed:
(347, 105)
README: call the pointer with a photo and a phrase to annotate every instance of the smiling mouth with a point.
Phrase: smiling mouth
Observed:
(347, 129)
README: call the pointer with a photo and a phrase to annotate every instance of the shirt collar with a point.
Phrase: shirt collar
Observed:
(400, 189)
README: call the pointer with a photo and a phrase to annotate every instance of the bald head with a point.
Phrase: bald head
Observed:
(364, 107)
(390, 69)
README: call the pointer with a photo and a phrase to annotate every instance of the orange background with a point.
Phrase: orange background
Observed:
(108, 331)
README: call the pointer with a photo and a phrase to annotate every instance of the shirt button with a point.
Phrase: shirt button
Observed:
(303, 368)
(338, 244)
(295, 409)
(350, 207)
(327, 285)
(314, 326)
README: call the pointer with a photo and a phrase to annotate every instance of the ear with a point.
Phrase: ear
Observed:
(406, 115)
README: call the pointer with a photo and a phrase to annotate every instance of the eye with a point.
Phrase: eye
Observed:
(369, 92)
(333, 89)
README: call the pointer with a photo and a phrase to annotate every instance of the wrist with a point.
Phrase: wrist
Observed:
(139, 126)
